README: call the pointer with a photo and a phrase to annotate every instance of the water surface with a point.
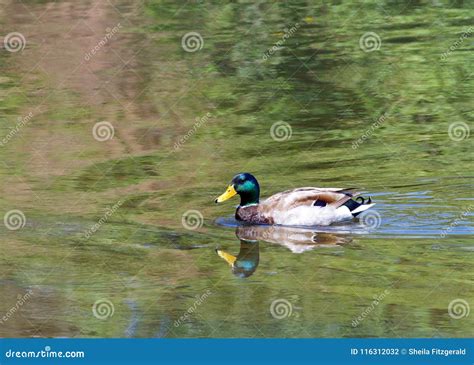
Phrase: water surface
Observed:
(104, 251)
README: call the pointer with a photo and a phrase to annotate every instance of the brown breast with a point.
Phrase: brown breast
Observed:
(251, 214)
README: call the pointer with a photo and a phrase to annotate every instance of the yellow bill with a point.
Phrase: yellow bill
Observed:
(229, 193)
(230, 259)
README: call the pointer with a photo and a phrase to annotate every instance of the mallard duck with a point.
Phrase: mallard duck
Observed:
(298, 207)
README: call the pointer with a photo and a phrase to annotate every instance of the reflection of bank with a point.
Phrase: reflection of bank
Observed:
(297, 240)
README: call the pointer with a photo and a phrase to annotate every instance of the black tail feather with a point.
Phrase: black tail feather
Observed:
(354, 204)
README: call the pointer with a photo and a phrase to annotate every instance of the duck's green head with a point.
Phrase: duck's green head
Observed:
(244, 184)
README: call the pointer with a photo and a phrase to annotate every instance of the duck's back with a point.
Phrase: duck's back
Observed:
(308, 206)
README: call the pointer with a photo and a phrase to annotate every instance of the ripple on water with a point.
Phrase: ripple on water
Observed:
(402, 215)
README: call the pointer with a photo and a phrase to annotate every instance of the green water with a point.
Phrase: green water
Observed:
(103, 251)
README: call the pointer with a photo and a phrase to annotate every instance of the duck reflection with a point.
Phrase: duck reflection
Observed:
(246, 262)
(297, 240)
